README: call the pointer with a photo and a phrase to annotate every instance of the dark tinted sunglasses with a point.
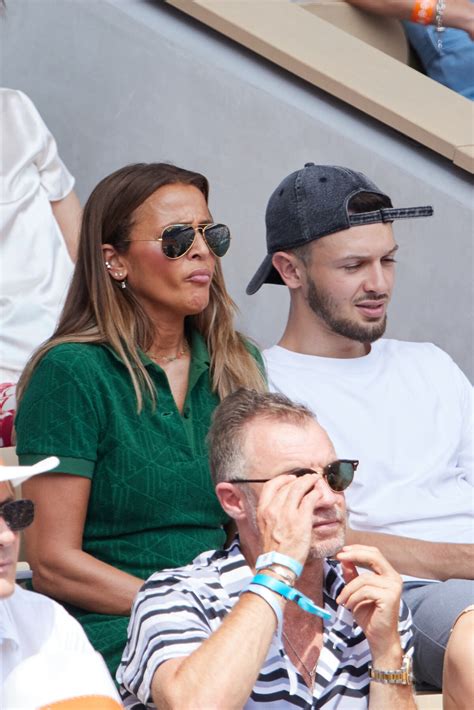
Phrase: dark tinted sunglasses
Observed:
(337, 474)
(18, 514)
(177, 239)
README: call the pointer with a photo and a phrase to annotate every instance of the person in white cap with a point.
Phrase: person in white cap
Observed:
(45, 656)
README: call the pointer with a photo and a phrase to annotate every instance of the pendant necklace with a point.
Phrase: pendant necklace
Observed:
(311, 673)
(170, 358)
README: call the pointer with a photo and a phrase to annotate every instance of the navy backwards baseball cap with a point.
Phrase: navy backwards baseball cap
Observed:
(312, 203)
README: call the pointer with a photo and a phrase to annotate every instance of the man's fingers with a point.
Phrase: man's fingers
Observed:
(371, 594)
(285, 517)
(300, 489)
(385, 584)
(289, 492)
(272, 488)
(368, 557)
(349, 571)
(274, 507)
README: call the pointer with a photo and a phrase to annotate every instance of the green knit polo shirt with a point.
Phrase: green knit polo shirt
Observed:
(152, 504)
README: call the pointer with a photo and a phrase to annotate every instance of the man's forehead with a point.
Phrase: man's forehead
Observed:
(286, 440)
(364, 239)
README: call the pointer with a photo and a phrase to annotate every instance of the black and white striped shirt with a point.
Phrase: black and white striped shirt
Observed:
(176, 610)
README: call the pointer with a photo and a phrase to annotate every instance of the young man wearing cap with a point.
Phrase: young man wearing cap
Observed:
(270, 622)
(404, 409)
(45, 656)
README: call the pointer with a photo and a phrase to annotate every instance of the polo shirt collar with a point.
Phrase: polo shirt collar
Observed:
(199, 349)
(200, 360)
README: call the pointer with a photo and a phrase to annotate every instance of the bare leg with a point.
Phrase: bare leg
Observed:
(458, 670)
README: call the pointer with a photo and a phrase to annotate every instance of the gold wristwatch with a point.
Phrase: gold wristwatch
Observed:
(402, 676)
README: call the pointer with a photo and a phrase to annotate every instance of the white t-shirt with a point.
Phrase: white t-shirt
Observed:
(34, 261)
(45, 655)
(405, 411)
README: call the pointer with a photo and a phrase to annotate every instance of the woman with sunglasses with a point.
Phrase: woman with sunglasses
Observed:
(123, 394)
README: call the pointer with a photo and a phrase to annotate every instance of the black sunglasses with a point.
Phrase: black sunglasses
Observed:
(18, 514)
(177, 239)
(337, 474)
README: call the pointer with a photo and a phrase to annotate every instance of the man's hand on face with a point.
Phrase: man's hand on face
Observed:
(373, 597)
(285, 515)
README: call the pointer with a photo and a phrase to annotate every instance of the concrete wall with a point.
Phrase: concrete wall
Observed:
(121, 81)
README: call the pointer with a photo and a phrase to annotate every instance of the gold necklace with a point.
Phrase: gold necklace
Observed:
(170, 358)
(311, 673)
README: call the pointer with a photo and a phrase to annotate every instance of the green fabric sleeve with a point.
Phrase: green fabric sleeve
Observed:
(76, 467)
(60, 411)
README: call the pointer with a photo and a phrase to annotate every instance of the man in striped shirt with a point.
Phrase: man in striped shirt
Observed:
(213, 635)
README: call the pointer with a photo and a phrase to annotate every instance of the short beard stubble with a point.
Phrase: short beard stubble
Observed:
(322, 549)
(325, 307)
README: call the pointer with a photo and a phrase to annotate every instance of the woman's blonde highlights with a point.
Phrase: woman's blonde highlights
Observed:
(98, 311)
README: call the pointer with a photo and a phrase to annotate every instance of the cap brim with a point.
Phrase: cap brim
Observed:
(19, 474)
(266, 274)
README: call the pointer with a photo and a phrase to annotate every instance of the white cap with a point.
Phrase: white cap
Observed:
(19, 474)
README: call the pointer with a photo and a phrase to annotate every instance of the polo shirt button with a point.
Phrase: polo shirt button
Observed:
(187, 413)
(166, 414)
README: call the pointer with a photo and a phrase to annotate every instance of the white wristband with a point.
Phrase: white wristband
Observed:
(272, 601)
(268, 558)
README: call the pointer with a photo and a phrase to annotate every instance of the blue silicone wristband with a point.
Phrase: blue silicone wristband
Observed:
(269, 558)
(271, 600)
(291, 594)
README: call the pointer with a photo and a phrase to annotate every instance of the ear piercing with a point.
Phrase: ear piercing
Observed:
(108, 266)
(118, 274)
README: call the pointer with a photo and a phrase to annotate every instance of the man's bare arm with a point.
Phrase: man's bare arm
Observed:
(458, 13)
(419, 558)
(220, 675)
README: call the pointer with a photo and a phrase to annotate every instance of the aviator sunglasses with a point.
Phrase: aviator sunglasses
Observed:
(18, 514)
(337, 474)
(177, 239)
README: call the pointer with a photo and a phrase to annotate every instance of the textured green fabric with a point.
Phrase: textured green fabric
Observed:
(152, 504)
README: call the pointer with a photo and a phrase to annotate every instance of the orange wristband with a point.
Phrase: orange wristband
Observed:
(423, 11)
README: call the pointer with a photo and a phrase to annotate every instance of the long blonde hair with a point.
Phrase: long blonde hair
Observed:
(97, 310)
